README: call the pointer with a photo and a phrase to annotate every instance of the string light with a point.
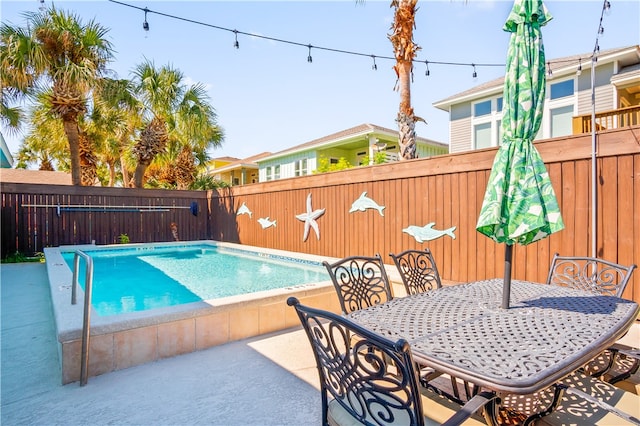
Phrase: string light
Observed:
(236, 44)
(309, 58)
(374, 66)
(145, 24)
(579, 66)
(549, 71)
(475, 74)
(42, 6)
(427, 72)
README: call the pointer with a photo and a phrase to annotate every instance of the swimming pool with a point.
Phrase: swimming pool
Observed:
(135, 337)
(141, 278)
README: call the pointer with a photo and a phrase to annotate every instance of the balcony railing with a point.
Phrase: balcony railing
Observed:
(614, 119)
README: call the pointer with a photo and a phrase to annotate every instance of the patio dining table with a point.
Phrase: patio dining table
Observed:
(547, 333)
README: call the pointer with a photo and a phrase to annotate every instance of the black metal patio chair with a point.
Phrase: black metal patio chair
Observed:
(418, 270)
(606, 278)
(360, 282)
(368, 379)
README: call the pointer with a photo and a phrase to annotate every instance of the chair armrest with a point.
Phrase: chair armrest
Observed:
(599, 403)
(473, 405)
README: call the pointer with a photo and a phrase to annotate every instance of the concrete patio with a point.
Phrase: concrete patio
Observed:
(250, 382)
(266, 380)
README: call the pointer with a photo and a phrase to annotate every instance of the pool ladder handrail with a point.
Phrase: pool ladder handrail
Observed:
(86, 327)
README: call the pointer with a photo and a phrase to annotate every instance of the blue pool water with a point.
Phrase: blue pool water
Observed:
(127, 280)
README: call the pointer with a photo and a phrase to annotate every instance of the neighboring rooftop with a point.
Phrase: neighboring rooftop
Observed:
(35, 176)
(356, 131)
(558, 66)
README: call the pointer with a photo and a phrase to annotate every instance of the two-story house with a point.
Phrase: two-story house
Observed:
(475, 115)
(354, 145)
(235, 171)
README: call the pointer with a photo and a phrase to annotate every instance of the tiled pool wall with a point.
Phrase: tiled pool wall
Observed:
(122, 341)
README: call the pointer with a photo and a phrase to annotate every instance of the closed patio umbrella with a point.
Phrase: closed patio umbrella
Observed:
(520, 205)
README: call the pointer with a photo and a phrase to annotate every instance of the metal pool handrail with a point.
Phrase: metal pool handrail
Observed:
(88, 285)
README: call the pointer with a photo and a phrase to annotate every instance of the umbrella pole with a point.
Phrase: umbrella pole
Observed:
(506, 285)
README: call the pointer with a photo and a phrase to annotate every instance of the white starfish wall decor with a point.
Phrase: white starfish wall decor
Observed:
(309, 219)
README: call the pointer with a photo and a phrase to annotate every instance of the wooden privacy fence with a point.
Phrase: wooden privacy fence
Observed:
(38, 216)
(446, 190)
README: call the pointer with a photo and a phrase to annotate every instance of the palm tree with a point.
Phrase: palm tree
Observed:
(57, 49)
(114, 121)
(177, 116)
(405, 52)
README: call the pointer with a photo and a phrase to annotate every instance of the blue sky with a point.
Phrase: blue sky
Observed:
(268, 97)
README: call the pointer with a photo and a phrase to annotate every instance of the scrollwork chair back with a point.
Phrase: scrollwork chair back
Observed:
(589, 274)
(360, 282)
(418, 270)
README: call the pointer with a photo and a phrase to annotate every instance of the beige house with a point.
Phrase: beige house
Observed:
(236, 171)
(475, 115)
(354, 145)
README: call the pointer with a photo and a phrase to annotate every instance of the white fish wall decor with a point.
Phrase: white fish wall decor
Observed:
(265, 222)
(427, 233)
(363, 203)
(244, 210)
(309, 219)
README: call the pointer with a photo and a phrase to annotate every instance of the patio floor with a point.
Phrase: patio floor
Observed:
(266, 380)
(241, 383)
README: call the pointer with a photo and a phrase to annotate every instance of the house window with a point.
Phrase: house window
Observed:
(269, 173)
(561, 121)
(301, 167)
(482, 135)
(276, 172)
(236, 181)
(333, 161)
(482, 108)
(499, 104)
(561, 89)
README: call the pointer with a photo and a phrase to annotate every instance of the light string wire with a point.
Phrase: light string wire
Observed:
(348, 52)
(307, 45)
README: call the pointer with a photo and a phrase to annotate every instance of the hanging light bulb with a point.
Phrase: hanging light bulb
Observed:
(475, 74)
(579, 71)
(607, 7)
(236, 44)
(42, 6)
(600, 31)
(427, 72)
(374, 66)
(145, 24)
(549, 71)
(309, 58)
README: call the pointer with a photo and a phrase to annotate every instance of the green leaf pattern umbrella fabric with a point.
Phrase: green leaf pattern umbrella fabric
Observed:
(520, 205)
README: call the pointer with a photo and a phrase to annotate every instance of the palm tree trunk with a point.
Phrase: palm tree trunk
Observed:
(126, 179)
(73, 137)
(405, 51)
(138, 175)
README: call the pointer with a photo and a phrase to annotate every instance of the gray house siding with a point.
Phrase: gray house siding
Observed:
(460, 128)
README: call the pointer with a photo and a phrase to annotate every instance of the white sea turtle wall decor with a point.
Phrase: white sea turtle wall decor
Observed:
(427, 233)
(265, 222)
(363, 203)
(309, 219)
(244, 210)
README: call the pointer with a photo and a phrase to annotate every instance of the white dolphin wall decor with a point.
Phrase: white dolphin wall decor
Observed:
(265, 222)
(244, 210)
(427, 233)
(309, 219)
(363, 203)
